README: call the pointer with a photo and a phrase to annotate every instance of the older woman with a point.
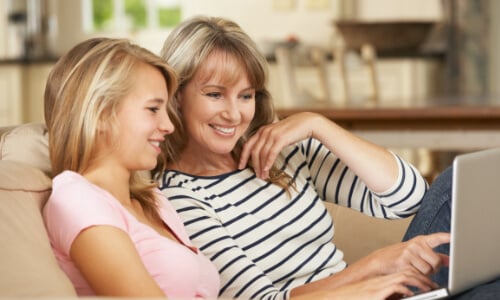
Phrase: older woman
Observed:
(250, 190)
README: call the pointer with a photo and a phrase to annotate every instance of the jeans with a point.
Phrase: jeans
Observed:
(433, 216)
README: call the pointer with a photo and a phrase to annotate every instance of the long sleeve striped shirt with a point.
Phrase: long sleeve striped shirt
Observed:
(265, 241)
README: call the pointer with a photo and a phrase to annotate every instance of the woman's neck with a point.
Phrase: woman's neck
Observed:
(116, 182)
(204, 166)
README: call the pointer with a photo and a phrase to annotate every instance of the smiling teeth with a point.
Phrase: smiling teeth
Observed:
(224, 130)
(155, 143)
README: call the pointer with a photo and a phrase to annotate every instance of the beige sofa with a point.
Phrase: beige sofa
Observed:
(28, 267)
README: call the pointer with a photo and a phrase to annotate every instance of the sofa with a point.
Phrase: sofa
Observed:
(28, 266)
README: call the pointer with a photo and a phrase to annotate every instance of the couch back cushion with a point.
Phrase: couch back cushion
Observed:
(27, 143)
(29, 267)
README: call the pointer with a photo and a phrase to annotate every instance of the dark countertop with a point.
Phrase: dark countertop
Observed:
(430, 54)
(439, 55)
(28, 61)
(449, 113)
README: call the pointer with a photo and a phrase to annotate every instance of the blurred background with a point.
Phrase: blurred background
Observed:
(393, 70)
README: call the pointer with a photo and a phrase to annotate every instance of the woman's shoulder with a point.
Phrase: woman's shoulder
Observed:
(69, 180)
(72, 187)
(67, 176)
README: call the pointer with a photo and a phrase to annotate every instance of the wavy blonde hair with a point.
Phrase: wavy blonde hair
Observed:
(187, 48)
(85, 88)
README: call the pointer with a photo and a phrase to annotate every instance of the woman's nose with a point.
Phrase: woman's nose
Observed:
(165, 125)
(232, 111)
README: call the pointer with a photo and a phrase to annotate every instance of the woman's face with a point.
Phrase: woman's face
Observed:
(217, 105)
(142, 121)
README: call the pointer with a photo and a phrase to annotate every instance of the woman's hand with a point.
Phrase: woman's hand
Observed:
(393, 286)
(416, 254)
(264, 146)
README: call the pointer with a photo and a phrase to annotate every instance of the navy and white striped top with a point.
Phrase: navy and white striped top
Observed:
(264, 241)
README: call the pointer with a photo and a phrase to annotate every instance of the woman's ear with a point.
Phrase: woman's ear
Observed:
(102, 126)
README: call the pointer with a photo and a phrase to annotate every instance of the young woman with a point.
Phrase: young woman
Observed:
(112, 231)
(250, 189)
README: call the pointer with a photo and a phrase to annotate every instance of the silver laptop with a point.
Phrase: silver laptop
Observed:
(475, 223)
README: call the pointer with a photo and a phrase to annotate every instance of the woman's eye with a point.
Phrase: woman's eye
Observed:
(248, 96)
(153, 109)
(214, 95)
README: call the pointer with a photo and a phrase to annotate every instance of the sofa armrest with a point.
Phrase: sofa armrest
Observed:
(29, 267)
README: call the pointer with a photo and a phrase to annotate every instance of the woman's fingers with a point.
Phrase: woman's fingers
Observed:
(436, 239)
(416, 254)
(392, 286)
(263, 148)
(428, 261)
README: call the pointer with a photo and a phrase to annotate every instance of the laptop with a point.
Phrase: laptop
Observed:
(475, 223)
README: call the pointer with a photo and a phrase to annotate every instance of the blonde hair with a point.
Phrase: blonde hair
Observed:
(187, 48)
(84, 89)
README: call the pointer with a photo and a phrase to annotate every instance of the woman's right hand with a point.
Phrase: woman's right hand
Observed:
(264, 146)
(392, 286)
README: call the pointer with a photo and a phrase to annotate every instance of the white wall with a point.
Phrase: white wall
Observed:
(313, 25)
(399, 9)
(263, 21)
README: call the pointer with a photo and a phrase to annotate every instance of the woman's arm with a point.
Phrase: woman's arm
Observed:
(347, 170)
(109, 261)
(375, 165)
(335, 182)
(414, 258)
(378, 172)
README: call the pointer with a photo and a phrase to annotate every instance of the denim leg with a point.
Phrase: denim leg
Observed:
(487, 291)
(434, 215)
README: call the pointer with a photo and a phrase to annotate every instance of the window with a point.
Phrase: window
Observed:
(131, 15)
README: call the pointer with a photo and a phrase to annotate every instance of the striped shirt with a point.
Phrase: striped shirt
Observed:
(265, 241)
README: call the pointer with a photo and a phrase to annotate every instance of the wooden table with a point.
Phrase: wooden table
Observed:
(463, 127)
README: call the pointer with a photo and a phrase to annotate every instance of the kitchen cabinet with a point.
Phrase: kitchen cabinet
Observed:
(22, 85)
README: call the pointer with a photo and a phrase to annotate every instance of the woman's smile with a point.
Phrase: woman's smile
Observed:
(224, 130)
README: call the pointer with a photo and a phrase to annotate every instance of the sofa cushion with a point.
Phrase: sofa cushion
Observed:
(358, 235)
(29, 267)
(27, 143)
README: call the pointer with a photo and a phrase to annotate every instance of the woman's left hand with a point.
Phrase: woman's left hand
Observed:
(264, 146)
